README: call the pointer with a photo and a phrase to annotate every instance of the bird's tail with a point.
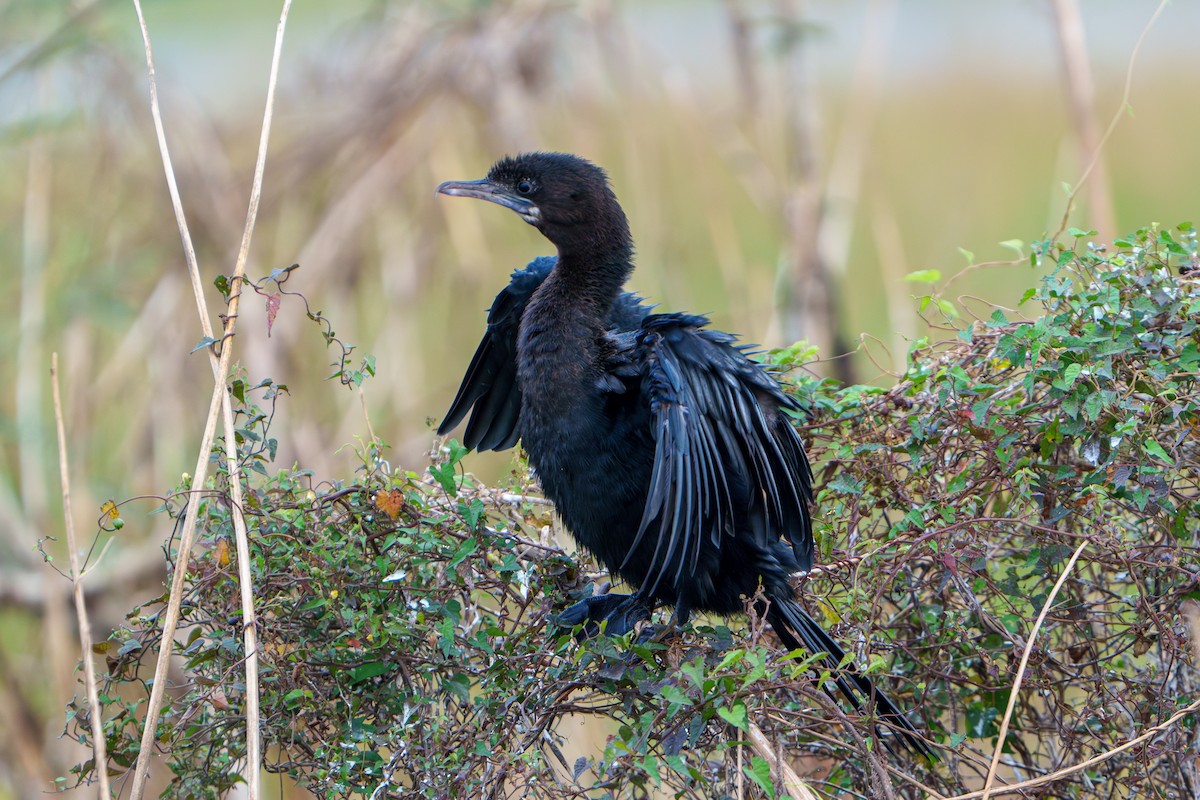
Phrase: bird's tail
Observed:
(797, 629)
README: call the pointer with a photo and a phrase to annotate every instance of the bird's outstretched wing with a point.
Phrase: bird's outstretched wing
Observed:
(726, 462)
(490, 385)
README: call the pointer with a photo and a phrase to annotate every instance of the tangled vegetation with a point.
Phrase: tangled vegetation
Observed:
(406, 620)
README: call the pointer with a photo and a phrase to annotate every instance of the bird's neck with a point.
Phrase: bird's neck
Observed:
(591, 270)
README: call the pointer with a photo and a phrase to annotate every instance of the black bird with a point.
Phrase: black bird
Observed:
(668, 453)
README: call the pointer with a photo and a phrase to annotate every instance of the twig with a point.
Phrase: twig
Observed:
(516, 499)
(741, 33)
(1016, 688)
(53, 41)
(99, 752)
(27, 590)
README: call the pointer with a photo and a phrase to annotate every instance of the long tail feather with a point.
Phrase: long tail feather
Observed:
(797, 629)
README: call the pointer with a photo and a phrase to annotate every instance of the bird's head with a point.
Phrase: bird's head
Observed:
(565, 197)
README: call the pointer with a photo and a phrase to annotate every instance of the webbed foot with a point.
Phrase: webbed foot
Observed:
(621, 612)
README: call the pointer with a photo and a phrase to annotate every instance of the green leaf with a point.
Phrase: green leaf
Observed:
(1092, 406)
(731, 658)
(967, 254)
(369, 670)
(759, 771)
(205, 341)
(456, 451)
(1016, 245)
(924, 276)
(446, 475)
(735, 715)
(459, 686)
(472, 512)
(846, 484)
(1068, 377)
(694, 669)
(674, 695)
(465, 549)
(1155, 449)
(981, 721)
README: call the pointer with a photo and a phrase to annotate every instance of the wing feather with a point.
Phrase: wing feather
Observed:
(489, 391)
(724, 450)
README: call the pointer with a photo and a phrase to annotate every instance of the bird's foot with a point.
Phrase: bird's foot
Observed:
(658, 634)
(621, 612)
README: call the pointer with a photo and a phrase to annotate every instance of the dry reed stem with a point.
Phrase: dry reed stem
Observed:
(1081, 91)
(847, 165)
(187, 535)
(806, 309)
(797, 788)
(253, 741)
(1016, 688)
(35, 245)
(220, 400)
(99, 752)
(1112, 125)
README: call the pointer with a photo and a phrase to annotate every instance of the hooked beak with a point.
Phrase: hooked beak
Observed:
(493, 193)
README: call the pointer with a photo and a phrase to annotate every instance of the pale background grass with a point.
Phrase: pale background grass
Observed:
(935, 126)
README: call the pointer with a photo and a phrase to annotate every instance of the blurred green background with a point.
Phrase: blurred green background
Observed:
(881, 137)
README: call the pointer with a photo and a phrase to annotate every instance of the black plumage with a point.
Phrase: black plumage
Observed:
(668, 453)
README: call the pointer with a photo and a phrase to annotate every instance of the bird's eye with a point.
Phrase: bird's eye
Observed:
(525, 186)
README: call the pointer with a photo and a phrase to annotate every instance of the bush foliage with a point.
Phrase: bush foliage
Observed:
(406, 621)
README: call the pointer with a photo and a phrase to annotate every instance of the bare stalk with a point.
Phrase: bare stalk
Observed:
(792, 783)
(99, 751)
(1012, 695)
(249, 632)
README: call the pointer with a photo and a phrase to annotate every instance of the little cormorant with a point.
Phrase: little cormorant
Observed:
(667, 452)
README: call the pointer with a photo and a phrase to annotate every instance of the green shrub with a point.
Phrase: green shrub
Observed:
(405, 621)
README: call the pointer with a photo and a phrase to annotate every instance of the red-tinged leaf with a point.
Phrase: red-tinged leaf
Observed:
(273, 301)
